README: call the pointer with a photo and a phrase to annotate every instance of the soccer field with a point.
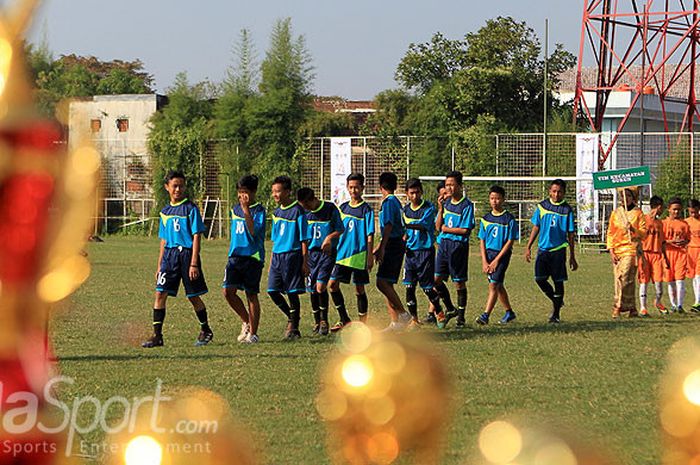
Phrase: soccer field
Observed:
(597, 375)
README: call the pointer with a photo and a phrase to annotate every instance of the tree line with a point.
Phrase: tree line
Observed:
(454, 91)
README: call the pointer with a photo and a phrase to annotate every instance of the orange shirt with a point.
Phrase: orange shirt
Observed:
(675, 229)
(618, 240)
(655, 233)
(694, 225)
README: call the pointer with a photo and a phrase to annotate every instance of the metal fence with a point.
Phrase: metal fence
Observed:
(512, 160)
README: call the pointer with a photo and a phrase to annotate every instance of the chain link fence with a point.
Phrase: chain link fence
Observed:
(521, 163)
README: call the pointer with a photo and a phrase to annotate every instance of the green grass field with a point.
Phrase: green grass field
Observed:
(592, 373)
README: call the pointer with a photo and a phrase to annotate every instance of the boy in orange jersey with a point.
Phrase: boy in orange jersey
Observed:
(676, 238)
(653, 262)
(693, 221)
(627, 228)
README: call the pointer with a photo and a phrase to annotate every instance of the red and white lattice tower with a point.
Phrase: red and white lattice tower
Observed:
(647, 47)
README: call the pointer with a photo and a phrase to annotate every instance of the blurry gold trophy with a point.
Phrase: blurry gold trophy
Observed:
(47, 197)
(372, 399)
(512, 442)
(680, 404)
(194, 427)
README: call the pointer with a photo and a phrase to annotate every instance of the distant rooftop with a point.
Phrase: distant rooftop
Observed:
(340, 105)
(589, 76)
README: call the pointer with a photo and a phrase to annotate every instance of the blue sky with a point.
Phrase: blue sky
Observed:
(355, 45)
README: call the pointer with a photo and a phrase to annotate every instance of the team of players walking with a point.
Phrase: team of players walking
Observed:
(318, 246)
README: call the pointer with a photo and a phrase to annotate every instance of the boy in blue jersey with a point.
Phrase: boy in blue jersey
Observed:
(354, 260)
(180, 233)
(325, 227)
(289, 255)
(390, 251)
(498, 232)
(419, 269)
(432, 318)
(246, 257)
(455, 221)
(553, 222)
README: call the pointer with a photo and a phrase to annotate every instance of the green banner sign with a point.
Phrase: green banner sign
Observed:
(628, 177)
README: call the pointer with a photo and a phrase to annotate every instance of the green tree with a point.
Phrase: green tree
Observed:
(424, 65)
(179, 136)
(230, 124)
(278, 112)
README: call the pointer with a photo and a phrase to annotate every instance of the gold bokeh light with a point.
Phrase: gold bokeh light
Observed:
(357, 371)
(143, 450)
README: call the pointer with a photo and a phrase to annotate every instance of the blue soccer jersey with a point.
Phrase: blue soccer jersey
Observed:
(322, 222)
(555, 221)
(423, 216)
(390, 213)
(497, 229)
(245, 243)
(457, 215)
(179, 223)
(289, 228)
(352, 246)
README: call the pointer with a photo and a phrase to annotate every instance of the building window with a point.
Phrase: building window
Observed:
(95, 125)
(123, 124)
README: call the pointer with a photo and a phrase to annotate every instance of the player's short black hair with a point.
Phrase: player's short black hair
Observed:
(675, 200)
(305, 194)
(496, 189)
(456, 175)
(414, 183)
(656, 201)
(694, 203)
(286, 182)
(173, 174)
(558, 182)
(356, 177)
(388, 181)
(249, 181)
(440, 186)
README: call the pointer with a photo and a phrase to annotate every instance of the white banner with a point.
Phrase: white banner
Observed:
(341, 167)
(586, 197)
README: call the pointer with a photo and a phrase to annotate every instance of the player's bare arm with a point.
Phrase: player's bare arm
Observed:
(528, 249)
(573, 264)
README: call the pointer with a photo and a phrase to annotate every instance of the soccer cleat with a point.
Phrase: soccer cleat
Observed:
(323, 328)
(154, 341)
(461, 322)
(674, 309)
(644, 314)
(204, 338)
(394, 327)
(362, 317)
(251, 339)
(680, 309)
(339, 326)
(292, 335)
(507, 318)
(414, 325)
(483, 319)
(449, 316)
(695, 308)
(405, 318)
(662, 309)
(555, 319)
(430, 319)
(633, 314)
(316, 329)
(441, 321)
(245, 330)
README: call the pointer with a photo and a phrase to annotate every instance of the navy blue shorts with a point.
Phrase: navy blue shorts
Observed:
(175, 267)
(390, 268)
(452, 260)
(499, 275)
(419, 268)
(551, 264)
(320, 268)
(342, 273)
(286, 274)
(243, 273)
